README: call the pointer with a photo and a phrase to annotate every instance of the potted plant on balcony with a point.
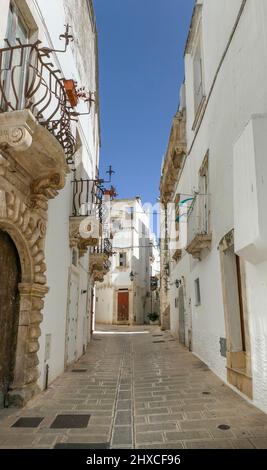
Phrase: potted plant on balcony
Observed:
(153, 318)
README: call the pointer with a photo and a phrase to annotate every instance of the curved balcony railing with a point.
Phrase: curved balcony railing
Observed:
(87, 199)
(28, 80)
(104, 247)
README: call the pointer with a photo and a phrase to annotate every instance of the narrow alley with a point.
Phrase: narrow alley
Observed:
(136, 387)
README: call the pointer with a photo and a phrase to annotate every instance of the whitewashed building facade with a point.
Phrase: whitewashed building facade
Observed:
(124, 296)
(216, 191)
(49, 158)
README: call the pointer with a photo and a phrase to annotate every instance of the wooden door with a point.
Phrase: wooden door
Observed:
(10, 277)
(123, 306)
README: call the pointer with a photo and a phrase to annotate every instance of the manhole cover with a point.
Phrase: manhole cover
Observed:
(70, 421)
(81, 445)
(224, 427)
(27, 422)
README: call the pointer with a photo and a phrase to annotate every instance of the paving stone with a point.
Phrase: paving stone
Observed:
(164, 418)
(259, 443)
(124, 395)
(186, 435)
(123, 418)
(151, 411)
(124, 404)
(177, 445)
(156, 427)
(149, 437)
(219, 444)
(122, 435)
(160, 393)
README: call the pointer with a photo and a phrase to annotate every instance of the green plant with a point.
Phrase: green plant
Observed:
(153, 316)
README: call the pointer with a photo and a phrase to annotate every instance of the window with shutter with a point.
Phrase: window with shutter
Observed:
(122, 260)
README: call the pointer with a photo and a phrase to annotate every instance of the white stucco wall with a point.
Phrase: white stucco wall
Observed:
(130, 240)
(57, 255)
(238, 94)
(45, 20)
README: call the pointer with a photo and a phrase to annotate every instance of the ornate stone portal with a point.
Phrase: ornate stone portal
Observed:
(32, 170)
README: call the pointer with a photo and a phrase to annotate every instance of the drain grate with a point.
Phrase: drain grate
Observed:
(159, 341)
(28, 422)
(205, 393)
(81, 445)
(224, 427)
(79, 370)
(70, 421)
(157, 336)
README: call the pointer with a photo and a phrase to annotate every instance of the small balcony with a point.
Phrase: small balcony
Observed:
(99, 262)
(35, 112)
(199, 236)
(154, 283)
(86, 214)
(177, 255)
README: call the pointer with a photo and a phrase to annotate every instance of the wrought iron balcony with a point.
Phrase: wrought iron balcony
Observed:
(153, 283)
(87, 199)
(29, 80)
(104, 248)
(198, 232)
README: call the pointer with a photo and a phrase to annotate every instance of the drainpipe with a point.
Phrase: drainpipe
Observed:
(46, 376)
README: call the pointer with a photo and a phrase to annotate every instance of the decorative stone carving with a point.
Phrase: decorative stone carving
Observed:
(99, 266)
(78, 237)
(19, 138)
(32, 170)
(175, 154)
(48, 185)
(32, 146)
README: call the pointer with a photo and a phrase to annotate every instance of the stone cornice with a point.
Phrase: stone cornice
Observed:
(175, 154)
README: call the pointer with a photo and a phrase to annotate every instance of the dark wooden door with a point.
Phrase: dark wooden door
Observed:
(9, 311)
(123, 306)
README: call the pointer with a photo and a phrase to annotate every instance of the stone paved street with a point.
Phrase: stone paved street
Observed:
(142, 390)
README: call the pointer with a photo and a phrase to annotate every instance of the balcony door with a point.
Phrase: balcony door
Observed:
(13, 76)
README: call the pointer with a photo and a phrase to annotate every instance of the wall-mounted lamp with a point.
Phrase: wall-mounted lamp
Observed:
(132, 275)
(178, 282)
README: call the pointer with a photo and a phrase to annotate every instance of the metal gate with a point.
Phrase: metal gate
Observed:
(10, 276)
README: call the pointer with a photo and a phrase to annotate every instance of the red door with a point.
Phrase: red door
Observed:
(123, 306)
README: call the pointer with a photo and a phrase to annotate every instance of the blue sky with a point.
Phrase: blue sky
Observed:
(141, 44)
